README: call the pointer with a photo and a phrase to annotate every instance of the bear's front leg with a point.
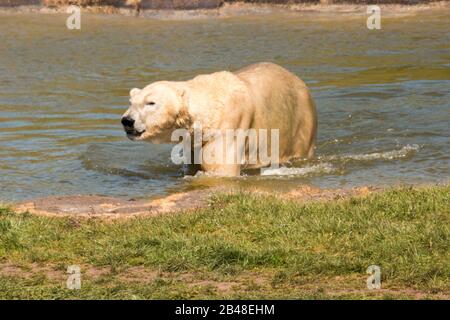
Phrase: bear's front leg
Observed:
(217, 159)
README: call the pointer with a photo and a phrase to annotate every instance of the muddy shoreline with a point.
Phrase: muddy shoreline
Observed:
(113, 208)
(218, 8)
(196, 4)
(92, 206)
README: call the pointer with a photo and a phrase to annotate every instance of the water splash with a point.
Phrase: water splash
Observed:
(385, 155)
(307, 170)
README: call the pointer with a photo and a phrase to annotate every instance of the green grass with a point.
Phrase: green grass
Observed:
(241, 246)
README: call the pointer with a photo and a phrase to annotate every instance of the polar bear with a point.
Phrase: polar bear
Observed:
(260, 96)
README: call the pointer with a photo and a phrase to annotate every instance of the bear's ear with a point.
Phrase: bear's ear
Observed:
(134, 91)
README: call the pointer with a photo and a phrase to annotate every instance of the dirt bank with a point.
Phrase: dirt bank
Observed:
(110, 6)
(92, 206)
(191, 4)
(182, 10)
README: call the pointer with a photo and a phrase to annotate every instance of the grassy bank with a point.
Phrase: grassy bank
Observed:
(241, 246)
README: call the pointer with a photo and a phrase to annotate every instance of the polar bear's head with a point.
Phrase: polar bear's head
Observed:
(155, 112)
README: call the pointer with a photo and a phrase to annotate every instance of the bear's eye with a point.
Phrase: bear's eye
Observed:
(151, 103)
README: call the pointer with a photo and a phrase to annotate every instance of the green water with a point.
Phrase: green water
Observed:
(383, 98)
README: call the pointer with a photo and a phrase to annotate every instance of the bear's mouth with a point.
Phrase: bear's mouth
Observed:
(133, 134)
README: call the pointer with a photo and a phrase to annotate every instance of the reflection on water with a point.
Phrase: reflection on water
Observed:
(382, 98)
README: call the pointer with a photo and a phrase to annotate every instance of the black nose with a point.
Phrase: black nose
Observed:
(127, 121)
